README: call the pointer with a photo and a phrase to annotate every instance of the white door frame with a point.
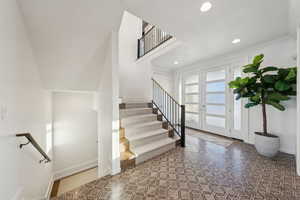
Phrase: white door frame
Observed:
(199, 126)
(227, 65)
(243, 133)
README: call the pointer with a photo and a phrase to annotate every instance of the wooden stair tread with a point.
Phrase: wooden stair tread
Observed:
(127, 155)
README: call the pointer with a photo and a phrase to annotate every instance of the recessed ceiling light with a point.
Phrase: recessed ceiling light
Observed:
(206, 6)
(235, 41)
(176, 62)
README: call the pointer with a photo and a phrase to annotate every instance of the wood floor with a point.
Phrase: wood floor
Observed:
(74, 181)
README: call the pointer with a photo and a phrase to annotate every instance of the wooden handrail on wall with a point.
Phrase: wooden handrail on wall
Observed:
(31, 140)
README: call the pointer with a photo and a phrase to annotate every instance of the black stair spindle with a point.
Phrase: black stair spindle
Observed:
(171, 111)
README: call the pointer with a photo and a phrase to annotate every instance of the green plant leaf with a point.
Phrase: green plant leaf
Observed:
(256, 98)
(252, 69)
(269, 79)
(291, 75)
(276, 105)
(237, 90)
(252, 80)
(258, 59)
(283, 72)
(246, 66)
(275, 87)
(291, 93)
(238, 96)
(282, 85)
(277, 97)
(249, 105)
(269, 69)
(244, 81)
(233, 84)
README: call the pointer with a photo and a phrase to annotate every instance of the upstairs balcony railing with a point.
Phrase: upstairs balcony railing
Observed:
(151, 40)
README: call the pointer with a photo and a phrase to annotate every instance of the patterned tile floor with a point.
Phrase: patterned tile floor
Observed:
(202, 170)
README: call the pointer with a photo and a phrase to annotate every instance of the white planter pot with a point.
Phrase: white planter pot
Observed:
(267, 145)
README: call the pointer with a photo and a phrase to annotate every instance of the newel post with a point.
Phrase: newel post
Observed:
(182, 125)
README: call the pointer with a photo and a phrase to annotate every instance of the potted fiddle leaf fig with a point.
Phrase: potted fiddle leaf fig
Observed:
(264, 86)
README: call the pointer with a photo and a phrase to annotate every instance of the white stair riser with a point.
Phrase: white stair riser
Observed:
(148, 155)
(142, 129)
(147, 140)
(137, 105)
(125, 122)
(133, 112)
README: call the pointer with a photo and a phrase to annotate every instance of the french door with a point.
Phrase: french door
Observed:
(214, 105)
(191, 99)
(210, 103)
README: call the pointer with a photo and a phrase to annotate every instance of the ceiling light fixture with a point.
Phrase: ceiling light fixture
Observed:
(206, 6)
(176, 62)
(235, 41)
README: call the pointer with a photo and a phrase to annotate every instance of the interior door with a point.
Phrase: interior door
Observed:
(214, 107)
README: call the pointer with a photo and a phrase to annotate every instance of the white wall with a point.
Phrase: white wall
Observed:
(135, 77)
(294, 18)
(166, 80)
(75, 132)
(280, 123)
(25, 107)
(280, 53)
(108, 112)
(69, 38)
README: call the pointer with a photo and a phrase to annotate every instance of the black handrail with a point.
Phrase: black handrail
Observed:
(171, 110)
(34, 144)
(151, 40)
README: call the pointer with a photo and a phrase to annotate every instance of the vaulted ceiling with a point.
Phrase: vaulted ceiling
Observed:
(69, 38)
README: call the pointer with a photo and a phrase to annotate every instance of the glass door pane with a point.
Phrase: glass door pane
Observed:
(194, 108)
(215, 121)
(215, 110)
(236, 112)
(237, 105)
(215, 101)
(194, 88)
(192, 120)
(191, 100)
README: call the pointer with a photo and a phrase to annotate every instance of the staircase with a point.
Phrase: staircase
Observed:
(144, 134)
(150, 129)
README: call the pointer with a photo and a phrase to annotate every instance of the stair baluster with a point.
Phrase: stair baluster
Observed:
(171, 110)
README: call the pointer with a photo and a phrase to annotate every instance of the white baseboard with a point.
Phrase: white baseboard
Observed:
(134, 100)
(104, 171)
(115, 171)
(18, 195)
(75, 169)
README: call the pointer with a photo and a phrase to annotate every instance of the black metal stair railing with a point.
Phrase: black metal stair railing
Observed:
(171, 110)
(151, 40)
